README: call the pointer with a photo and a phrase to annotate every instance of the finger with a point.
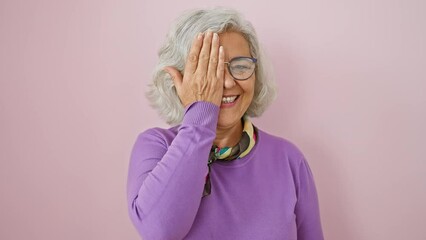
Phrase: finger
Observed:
(194, 52)
(176, 76)
(220, 72)
(205, 53)
(214, 55)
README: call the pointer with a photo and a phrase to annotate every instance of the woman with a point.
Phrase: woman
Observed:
(214, 175)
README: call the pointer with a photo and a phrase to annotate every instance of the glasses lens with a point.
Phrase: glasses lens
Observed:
(241, 68)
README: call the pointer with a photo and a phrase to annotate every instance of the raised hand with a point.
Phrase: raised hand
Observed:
(204, 71)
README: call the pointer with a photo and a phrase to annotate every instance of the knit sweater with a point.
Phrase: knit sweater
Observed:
(268, 194)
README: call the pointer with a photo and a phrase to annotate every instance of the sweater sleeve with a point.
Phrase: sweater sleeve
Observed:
(165, 183)
(307, 207)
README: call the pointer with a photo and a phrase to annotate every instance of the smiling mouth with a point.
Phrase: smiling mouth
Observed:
(229, 99)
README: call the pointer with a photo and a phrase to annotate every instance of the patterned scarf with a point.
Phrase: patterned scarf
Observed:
(226, 154)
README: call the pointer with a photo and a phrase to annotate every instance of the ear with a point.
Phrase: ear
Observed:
(175, 74)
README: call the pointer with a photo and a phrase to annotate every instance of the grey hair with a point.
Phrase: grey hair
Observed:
(162, 93)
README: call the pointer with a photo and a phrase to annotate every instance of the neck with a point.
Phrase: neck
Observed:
(228, 137)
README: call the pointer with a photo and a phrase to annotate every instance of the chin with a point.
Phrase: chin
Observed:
(228, 121)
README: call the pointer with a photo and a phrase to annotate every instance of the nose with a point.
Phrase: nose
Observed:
(228, 81)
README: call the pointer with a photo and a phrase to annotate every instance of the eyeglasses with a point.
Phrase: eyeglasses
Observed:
(241, 68)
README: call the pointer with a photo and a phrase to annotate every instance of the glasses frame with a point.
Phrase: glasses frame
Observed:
(254, 60)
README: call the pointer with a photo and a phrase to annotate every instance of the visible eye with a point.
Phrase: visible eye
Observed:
(240, 67)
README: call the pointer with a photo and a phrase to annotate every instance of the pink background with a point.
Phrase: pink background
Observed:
(352, 96)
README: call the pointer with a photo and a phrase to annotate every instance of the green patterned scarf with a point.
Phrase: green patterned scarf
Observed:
(225, 154)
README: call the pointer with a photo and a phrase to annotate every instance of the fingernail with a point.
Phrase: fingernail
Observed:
(200, 35)
(215, 36)
(220, 49)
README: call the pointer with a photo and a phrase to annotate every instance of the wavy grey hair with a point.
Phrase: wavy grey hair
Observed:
(162, 93)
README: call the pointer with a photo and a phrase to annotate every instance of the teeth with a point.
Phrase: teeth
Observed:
(228, 99)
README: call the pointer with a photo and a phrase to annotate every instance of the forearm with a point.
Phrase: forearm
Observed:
(307, 207)
(165, 196)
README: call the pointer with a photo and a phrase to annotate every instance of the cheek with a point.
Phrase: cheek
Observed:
(249, 94)
(250, 89)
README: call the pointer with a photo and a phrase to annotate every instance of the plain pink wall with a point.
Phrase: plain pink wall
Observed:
(352, 96)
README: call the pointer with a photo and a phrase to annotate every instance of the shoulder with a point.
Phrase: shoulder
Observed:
(279, 144)
(284, 154)
(281, 147)
(158, 135)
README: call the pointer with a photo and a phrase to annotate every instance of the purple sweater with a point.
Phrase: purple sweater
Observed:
(268, 194)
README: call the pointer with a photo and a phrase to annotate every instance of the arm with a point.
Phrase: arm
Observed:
(165, 185)
(307, 207)
(166, 182)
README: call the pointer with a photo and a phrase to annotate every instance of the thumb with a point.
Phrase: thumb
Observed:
(175, 74)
